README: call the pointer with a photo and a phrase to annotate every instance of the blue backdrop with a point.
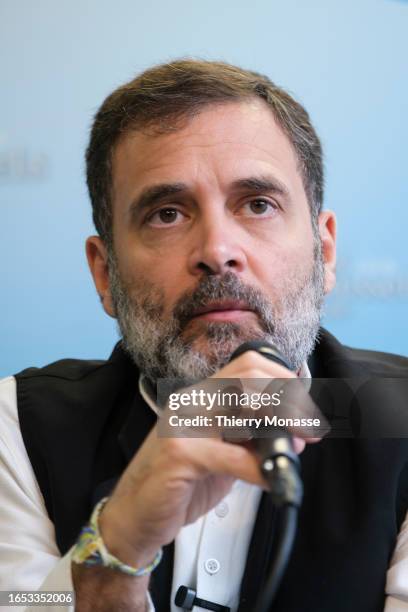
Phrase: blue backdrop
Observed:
(345, 61)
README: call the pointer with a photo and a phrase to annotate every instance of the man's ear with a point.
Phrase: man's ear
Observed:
(327, 231)
(97, 256)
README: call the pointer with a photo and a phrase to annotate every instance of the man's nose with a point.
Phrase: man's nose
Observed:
(218, 248)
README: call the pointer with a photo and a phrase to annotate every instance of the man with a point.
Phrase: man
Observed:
(206, 183)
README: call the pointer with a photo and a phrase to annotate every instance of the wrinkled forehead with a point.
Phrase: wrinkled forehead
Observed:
(220, 145)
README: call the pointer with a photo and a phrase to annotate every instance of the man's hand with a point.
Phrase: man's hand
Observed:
(170, 482)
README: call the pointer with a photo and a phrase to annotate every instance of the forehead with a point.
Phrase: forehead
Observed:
(220, 145)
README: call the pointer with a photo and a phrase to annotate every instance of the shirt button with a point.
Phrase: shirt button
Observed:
(212, 566)
(222, 509)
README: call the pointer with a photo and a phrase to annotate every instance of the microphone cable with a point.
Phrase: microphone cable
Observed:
(280, 468)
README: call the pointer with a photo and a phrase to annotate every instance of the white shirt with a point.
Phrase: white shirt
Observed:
(205, 553)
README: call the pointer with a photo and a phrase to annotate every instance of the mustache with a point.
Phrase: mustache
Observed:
(226, 287)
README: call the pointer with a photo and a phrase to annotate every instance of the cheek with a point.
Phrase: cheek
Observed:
(277, 267)
(154, 272)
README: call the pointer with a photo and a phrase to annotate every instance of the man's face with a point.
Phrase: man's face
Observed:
(213, 243)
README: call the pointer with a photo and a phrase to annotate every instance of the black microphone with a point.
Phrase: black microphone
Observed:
(263, 348)
(186, 598)
(280, 463)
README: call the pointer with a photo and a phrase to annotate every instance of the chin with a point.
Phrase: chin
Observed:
(219, 340)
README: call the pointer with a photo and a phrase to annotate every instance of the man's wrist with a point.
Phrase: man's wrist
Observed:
(101, 589)
(119, 545)
(91, 550)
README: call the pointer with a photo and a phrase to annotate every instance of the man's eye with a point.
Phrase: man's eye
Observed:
(165, 216)
(260, 207)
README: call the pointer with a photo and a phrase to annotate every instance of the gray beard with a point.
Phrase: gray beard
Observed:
(165, 348)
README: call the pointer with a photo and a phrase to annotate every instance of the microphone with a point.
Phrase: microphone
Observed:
(280, 464)
(263, 348)
(186, 598)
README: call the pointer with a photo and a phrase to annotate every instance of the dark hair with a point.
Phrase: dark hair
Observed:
(165, 95)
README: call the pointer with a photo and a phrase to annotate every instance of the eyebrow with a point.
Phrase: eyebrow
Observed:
(261, 184)
(158, 193)
(155, 194)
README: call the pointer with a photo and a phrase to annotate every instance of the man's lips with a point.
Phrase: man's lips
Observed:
(223, 311)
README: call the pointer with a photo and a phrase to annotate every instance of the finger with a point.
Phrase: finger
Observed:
(298, 444)
(212, 455)
(253, 365)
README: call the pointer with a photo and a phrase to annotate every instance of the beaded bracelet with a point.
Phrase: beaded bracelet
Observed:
(90, 549)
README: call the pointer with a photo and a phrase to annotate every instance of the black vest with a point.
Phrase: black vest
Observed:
(82, 421)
